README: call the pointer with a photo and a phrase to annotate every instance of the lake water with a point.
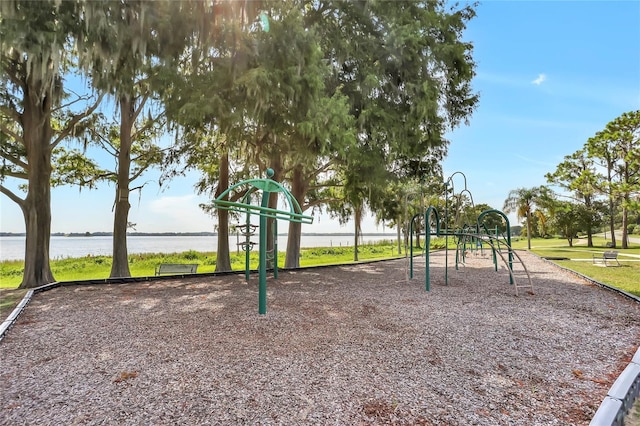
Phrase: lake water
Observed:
(12, 248)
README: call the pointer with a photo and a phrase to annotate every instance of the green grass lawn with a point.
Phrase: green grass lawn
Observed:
(625, 277)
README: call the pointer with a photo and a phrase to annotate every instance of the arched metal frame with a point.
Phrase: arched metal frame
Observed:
(267, 186)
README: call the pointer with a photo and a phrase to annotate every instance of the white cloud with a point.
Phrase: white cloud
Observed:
(541, 79)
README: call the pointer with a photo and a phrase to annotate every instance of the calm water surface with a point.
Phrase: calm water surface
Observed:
(12, 248)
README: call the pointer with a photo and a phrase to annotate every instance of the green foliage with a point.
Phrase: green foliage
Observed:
(571, 218)
(191, 255)
(617, 150)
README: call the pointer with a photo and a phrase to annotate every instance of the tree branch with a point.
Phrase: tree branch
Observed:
(137, 188)
(75, 120)
(149, 124)
(321, 169)
(11, 133)
(80, 98)
(104, 142)
(13, 197)
(138, 110)
(11, 113)
(138, 174)
(17, 175)
(14, 160)
(12, 71)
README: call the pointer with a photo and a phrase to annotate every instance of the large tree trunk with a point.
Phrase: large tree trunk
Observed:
(357, 218)
(625, 223)
(589, 206)
(399, 228)
(223, 258)
(298, 190)
(626, 202)
(36, 207)
(120, 265)
(528, 230)
(612, 220)
(276, 165)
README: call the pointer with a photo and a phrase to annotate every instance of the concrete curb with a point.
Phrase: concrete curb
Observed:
(11, 319)
(6, 324)
(621, 396)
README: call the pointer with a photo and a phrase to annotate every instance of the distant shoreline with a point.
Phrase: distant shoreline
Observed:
(191, 234)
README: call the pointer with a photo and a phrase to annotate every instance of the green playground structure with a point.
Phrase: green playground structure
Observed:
(266, 186)
(468, 237)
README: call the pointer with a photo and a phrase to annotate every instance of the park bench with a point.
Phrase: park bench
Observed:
(176, 268)
(610, 255)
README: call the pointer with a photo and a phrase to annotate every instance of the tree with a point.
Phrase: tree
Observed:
(618, 149)
(36, 39)
(577, 174)
(407, 75)
(522, 201)
(134, 38)
(625, 134)
(229, 65)
(492, 222)
(599, 150)
(364, 179)
(318, 86)
(569, 219)
(268, 106)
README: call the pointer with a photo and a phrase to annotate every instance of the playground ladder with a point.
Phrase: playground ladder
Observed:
(517, 270)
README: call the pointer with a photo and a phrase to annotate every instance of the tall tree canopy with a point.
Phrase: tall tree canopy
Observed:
(577, 173)
(328, 83)
(407, 74)
(37, 47)
(617, 150)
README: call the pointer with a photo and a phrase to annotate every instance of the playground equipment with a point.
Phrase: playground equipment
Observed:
(267, 186)
(469, 237)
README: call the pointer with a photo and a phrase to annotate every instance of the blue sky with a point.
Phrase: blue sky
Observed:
(550, 74)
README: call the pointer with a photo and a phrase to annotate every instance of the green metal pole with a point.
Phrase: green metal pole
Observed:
(247, 247)
(275, 249)
(446, 258)
(411, 248)
(427, 221)
(426, 257)
(262, 273)
(510, 250)
(495, 256)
